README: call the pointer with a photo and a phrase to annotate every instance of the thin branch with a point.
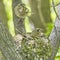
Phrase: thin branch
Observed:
(53, 5)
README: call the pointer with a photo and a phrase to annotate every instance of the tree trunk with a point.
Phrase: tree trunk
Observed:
(40, 13)
(7, 46)
(55, 36)
(45, 9)
(36, 15)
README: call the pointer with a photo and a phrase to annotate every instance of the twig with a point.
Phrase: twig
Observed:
(55, 9)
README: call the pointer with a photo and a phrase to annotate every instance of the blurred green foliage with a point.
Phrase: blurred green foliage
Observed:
(8, 8)
(49, 29)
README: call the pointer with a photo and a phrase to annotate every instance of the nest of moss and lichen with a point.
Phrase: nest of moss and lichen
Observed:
(34, 47)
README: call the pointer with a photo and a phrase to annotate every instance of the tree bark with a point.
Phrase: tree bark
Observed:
(55, 36)
(6, 44)
(55, 39)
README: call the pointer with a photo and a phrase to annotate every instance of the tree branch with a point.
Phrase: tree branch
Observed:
(55, 39)
(6, 44)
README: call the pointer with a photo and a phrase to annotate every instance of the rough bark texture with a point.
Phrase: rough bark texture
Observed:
(6, 44)
(55, 36)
